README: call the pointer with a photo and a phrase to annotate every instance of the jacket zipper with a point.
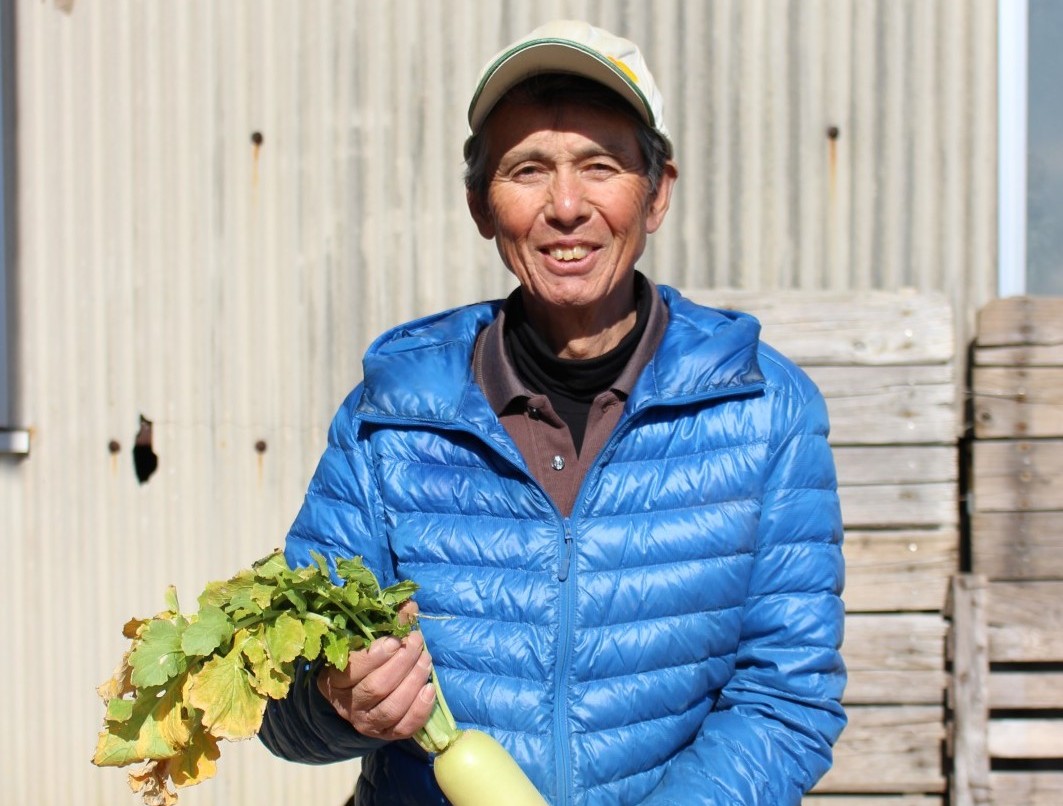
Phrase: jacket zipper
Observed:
(567, 612)
(566, 621)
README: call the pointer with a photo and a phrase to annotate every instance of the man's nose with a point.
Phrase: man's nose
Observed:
(567, 204)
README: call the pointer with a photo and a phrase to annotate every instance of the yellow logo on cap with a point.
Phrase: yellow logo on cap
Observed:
(627, 71)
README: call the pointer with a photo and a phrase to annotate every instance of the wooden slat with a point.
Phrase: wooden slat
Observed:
(873, 800)
(889, 749)
(896, 464)
(1027, 788)
(1017, 545)
(863, 328)
(1021, 321)
(1026, 690)
(890, 405)
(1024, 619)
(895, 658)
(1016, 475)
(898, 571)
(969, 694)
(899, 506)
(1026, 738)
(1027, 355)
(1018, 402)
(885, 486)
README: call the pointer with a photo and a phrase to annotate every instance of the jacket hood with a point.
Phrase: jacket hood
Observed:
(422, 371)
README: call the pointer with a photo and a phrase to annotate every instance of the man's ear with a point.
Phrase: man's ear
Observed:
(480, 214)
(660, 203)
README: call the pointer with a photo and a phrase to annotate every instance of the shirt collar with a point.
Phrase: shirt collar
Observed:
(501, 385)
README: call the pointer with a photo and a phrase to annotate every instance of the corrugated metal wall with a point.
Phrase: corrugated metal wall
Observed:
(220, 203)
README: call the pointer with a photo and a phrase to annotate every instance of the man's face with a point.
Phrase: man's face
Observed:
(568, 205)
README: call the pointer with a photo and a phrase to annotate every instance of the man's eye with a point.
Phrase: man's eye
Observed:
(601, 168)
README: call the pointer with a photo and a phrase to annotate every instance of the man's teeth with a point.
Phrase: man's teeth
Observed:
(575, 253)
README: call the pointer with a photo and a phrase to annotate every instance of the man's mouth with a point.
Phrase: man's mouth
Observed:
(567, 254)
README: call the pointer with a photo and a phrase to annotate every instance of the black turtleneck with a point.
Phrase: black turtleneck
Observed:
(570, 384)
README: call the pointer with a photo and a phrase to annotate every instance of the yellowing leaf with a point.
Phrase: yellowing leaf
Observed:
(315, 630)
(222, 691)
(221, 594)
(197, 761)
(132, 627)
(285, 638)
(119, 684)
(174, 727)
(150, 782)
(171, 600)
(271, 566)
(271, 682)
(141, 735)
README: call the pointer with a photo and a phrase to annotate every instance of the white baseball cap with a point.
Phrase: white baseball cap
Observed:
(577, 48)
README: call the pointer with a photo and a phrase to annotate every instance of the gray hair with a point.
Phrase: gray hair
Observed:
(554, 89)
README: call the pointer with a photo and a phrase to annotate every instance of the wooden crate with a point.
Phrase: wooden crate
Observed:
(887, 366)
(1006, 639)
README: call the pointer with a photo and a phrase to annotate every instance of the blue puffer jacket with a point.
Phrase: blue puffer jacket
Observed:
(675, 641)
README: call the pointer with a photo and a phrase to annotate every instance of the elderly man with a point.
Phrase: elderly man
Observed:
(620, 506)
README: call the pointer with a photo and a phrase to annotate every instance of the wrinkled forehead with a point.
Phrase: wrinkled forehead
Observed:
(557, 125)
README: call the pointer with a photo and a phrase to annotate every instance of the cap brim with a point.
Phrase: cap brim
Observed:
(551, 56)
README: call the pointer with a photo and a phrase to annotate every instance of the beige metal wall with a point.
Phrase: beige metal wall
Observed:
(170, 266)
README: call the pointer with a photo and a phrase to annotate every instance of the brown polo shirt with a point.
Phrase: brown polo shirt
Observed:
(540, 435)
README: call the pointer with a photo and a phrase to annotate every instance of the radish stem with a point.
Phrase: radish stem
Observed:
(441, 730)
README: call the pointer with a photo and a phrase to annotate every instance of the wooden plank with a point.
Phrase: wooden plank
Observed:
(898, 571)
(1024, 619)
(1033, 788)
(895, 658)
(898, 506)
(873, 800)
(856, 328)
(969, 695)
(895, 464)
(889, 749)
(1018, 402)
(891, 687)
(1017, 545)
(1026, 738)
(1018, 475)
(1024, 690)
(895, 486)
(1027, 355)
(1020, 321)
(891, 405)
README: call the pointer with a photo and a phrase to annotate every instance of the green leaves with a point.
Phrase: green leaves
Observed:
(189, 681)
(157, 656)
(213, 629)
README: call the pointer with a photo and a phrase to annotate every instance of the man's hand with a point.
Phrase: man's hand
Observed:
(384, 691)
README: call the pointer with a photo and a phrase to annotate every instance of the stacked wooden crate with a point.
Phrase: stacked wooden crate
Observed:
(886, 364)
(1007, 632)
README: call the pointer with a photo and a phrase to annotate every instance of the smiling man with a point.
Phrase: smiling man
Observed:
(620, 506)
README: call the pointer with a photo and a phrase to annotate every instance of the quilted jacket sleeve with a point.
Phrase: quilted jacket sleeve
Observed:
(338, 519)
(769, 738)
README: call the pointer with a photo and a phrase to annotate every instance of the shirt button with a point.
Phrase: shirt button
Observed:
(558, 463)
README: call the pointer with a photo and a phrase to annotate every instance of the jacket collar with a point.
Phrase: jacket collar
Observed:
(423, 371)
(704, 352)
